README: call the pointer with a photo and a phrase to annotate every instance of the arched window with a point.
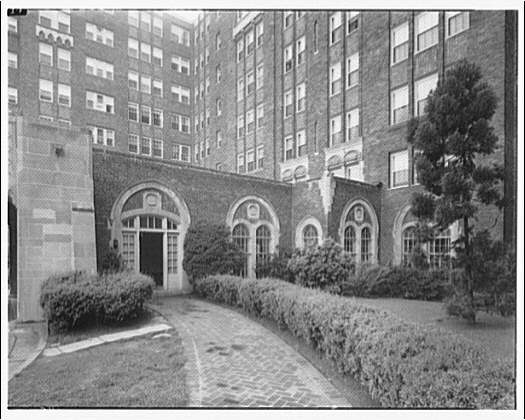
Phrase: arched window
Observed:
(241, 237)
(366, 239)
(310, 236)
(349, 241)
(409, 243)
(439, 250)
(263, 237)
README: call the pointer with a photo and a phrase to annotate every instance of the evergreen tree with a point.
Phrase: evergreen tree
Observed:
(452, 138)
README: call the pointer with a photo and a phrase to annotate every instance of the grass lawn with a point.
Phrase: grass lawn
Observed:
(142, 372)
(493, 332)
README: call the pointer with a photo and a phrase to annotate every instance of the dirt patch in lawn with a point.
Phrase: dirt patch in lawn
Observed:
(141, 372)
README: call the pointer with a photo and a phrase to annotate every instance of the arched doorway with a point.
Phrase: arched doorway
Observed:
(358, 231)
(149, 223)
(255, 229)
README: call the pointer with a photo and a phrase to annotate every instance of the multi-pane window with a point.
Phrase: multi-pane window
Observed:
(288, 147)
(335, 25)
(249, 42)
(12, 95)
(310, 236)
(426, 30)
(218, 107)
(99, 68)
(133, 143)
(145, 146)
(259, 82)
(422, 88)
(98, 34)
(133, 112)
(240, 163)
(180, 35)
(180, 94)
(240, 126)
(157, 88)
(157, 56)
(172, 253)
(45, 54)
(157, 26)
(301, 143)
(352, 69)
(259, 32)
(288, 19)
(133, 48)
(241, 236)
(250, 160)
(181, 152)
(145, 114)
(366, 244)
(102, 136)
(12, 24)
(158, 118)
(335, 79)
(64, 95)
(288, 58)
(300, 97)
(180, 64)
(349, 239)
(399, 169)
(240, 49)
(288, 104)
(145, 84)
(240, 89)
(12, 60)
(250, 120)
(352, 124)
(180, 123)
(250, 83)
(157, 148)
(145, 52)
(260, 115)
(128, 249)
(335, 130)
(399, 105)
(456, 22)
(409, 240)
(352, 21)
(260, 156)
(55, 19)
(299, 50)
(439, 250)
(399, 43)
(45, 92)
(64, 59)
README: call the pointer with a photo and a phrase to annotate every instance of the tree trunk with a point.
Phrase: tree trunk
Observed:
(468, 272)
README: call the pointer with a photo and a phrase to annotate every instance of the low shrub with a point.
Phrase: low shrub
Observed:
(276, 266)
(113, 262)
(397, 281)
(325, 267)
(402, 364)
(78, 299)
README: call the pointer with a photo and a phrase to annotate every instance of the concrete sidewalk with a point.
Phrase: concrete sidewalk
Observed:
(26, 342)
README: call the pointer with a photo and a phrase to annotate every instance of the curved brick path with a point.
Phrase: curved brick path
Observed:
(235, 362)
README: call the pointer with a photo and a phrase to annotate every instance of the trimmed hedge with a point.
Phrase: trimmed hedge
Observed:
(78, 299)
(402, 364)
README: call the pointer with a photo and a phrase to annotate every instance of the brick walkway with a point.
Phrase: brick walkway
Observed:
(235, 362)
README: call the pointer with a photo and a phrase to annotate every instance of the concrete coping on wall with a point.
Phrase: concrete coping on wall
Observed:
(360, 183)
(104, 151)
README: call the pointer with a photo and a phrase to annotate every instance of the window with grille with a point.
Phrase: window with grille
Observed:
(158, 118)
(310, 236)
(102, 136)
(439, 250)
(399, 169)
(157, 148)
(133, 143)
(349, 241)
(399, 105)
(133, 112)
(409, 244)
(145, 114)
(145, 146)
(262, 245)
(366, 244)
(150, 222)
(241, 237)
(399, 45)
(172, 252)
(128, 249)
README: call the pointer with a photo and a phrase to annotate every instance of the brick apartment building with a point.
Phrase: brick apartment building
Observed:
(290, 127)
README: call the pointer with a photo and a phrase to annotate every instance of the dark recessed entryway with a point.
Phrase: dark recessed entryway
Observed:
(151, 255)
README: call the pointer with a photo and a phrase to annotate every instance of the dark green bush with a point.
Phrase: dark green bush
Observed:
(78, 299)
(276, 266)
(397, 281)
(208, 250)
(113, 262)
(402, 364)
(326, 267)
